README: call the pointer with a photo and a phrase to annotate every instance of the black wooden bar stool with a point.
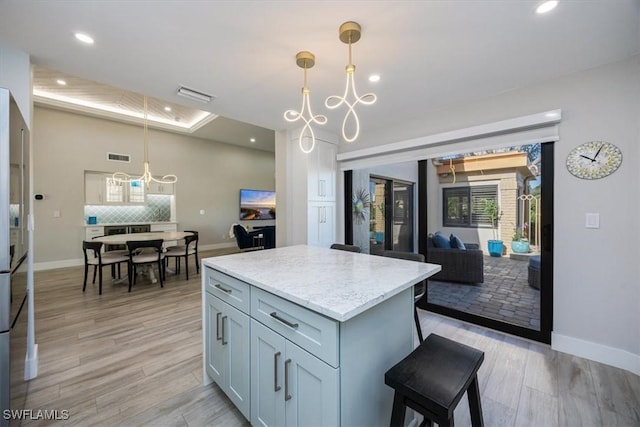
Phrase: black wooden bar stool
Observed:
(432, 380)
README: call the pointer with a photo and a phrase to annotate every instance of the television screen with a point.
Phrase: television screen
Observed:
(257, 204)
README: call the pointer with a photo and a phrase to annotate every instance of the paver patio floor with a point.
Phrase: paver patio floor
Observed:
(505, 294)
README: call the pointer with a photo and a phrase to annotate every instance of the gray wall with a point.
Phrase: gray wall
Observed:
(210, 175)
(596, 271)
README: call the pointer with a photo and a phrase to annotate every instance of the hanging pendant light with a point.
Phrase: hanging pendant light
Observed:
(146, 177)
(349, 33)
(305, 60)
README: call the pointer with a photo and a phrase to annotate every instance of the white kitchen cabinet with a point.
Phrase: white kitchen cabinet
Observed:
(311, 181)
(93, 232)
(227, 354)
(289, 386)
(321, 223)
(321, 166)
(157, 188)
(102, 189)
(95, 187)
(164, 227)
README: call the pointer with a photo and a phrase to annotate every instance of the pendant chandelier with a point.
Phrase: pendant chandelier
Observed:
(349, 33)
(146, 177)
(305, 60)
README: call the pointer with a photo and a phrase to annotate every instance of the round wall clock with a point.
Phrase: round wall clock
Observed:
(594, 160)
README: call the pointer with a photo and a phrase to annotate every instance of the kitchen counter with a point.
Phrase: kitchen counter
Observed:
(110, 224)
(337, 284)
(306, 334)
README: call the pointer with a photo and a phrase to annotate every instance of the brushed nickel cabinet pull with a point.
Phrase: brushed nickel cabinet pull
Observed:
(218, 337)
(276, 387)
(223, 341)
(222, 288)
(287, 396)
(285, 321)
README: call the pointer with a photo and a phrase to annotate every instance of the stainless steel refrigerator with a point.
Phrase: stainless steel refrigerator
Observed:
(14, 205)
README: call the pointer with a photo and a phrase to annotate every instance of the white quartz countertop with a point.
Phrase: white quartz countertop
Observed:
(337, 284)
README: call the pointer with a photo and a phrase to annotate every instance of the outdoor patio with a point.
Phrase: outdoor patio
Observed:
(505, 294)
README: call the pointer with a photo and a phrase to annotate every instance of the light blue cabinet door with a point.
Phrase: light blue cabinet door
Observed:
(216, 354)
(312, 390)
(236, 341)
(267, 376)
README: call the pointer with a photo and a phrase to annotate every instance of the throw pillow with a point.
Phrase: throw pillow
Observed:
(456, 243)
(441, 241)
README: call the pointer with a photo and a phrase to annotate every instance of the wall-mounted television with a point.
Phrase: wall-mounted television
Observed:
(257, 204)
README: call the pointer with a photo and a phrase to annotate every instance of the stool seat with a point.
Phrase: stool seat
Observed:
(433, 379)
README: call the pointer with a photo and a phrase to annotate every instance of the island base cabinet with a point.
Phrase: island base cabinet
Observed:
(290, 387)
(227, 356)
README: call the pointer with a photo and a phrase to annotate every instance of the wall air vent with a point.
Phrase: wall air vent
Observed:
(115, 157)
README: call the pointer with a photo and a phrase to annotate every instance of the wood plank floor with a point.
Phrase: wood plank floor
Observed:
(133, 359)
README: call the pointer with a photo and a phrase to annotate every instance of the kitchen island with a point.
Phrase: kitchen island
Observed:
(302, 335)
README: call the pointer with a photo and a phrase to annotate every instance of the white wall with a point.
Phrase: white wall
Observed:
(596, 271)
(210, 175)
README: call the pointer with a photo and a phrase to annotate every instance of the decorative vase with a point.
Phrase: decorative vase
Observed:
(520, 246)
(495, 247)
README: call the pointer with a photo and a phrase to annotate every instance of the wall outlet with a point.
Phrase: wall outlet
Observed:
(201, 211)
(56, 214)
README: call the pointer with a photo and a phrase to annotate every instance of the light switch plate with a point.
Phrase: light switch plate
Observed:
(592, 220)
(56, 214)
(201, 211)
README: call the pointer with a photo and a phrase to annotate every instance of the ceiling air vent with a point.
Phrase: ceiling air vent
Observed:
(115, 157)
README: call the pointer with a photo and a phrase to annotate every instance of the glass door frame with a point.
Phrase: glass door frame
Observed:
(546, 256)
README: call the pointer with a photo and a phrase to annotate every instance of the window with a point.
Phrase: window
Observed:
(464, 206)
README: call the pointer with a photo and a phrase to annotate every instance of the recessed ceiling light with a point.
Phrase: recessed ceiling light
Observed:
(374, 78)
(546, 6)
(167, 108)
(252, 140)
(61, 82)
(84, 38)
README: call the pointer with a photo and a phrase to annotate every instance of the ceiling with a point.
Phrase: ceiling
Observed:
(429, 54)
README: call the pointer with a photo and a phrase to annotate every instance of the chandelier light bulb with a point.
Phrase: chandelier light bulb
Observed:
(305, 60)
(350, 33)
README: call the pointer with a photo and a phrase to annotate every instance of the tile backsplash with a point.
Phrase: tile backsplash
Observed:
(158, 208)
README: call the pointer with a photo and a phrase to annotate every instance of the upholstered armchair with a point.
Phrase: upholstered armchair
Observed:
(248, 240)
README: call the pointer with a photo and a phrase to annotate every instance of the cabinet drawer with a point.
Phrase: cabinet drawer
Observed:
(228, 289)
(92, 232)
(313, 332)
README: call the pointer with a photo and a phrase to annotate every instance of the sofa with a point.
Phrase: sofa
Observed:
(458, 265)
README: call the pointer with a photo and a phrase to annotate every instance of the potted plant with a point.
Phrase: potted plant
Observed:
(519, 241)
(492, 210)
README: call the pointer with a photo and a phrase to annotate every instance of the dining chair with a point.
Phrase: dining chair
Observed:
(419, 289)
(93, 256)
(190, 247)
(348, 248)
(138, 256)
(113, 250)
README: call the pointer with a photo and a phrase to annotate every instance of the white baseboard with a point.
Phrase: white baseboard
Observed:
(597, 352)
(50, 265)
(217, 246)
(31, 365)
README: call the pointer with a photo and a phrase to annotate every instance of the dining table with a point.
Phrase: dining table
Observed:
(165, 236)
(122, 239)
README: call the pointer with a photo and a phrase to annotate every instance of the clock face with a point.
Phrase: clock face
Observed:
(594, 160)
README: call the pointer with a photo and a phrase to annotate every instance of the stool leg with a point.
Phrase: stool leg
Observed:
(399, 411)
(473, 393)
(418, 327)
